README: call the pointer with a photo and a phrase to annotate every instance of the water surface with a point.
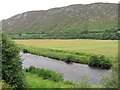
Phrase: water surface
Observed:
(72, 71)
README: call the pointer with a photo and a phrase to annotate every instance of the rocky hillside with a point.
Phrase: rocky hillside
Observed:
(96, 16)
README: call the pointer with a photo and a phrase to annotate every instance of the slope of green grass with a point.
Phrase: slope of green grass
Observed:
(95, 16)
(34, 81)
(68, 57)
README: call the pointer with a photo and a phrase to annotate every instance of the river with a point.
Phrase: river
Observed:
(73, 71)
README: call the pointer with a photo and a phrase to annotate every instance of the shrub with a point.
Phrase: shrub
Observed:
(104, 62)
(69, 59)
(25, 51)
(100, 61)
(46, 74)
(11, 63)
(93, 61)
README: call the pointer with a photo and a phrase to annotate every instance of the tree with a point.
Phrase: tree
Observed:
(11, 63)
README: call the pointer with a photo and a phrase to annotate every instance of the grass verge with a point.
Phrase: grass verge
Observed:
(34, 81)
(67, 56)
(46, 74)
(36, 78)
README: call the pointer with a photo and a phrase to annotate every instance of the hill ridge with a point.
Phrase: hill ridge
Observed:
(69, 19)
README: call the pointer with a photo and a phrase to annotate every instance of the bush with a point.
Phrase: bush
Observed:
(25, 51)
(104, 62)
(93, 61)
(69, 59)
(46, 74)
(100, 61)
(11, 63)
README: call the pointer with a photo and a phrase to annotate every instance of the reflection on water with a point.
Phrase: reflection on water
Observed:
(72, 71)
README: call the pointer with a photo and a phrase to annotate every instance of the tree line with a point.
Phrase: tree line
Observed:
(108, 34)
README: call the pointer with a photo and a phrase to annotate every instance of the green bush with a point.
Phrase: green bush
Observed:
(46, 74)
(105, 62)
(25, 51)
(11, 63)
(93, 61)
(69, 59)
(100, 61)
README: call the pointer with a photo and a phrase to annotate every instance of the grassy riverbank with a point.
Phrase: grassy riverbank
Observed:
(34, 81)
(43, 78)
(74, 50)
(68, 56)
(107, 47)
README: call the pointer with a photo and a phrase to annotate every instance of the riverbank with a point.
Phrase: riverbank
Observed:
(109, 48)
(34, 81)
(94, 60)
(72, 71)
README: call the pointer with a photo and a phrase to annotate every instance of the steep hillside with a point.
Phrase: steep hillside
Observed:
(91, 16)
(73, 19)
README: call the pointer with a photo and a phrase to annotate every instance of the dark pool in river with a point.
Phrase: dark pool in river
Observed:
(72, 71)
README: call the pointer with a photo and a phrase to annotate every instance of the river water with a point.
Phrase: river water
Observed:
(72, 71)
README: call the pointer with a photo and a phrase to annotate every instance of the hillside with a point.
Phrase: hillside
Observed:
(63, 20)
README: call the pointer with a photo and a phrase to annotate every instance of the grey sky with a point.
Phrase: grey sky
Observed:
(9, 8)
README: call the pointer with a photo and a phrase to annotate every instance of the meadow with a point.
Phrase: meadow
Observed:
(98, 53)
(106, 47)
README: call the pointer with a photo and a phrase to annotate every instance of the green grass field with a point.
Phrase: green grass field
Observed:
(34, 81)
(107, 47)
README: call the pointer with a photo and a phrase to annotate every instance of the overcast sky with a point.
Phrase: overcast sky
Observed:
(10, 8)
